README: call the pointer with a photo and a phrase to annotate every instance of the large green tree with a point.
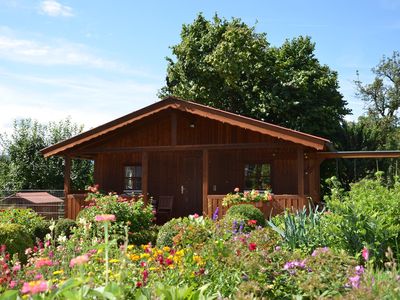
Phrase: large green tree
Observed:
(383, 94)
(378, 128)
(22, 166)
(228, 65)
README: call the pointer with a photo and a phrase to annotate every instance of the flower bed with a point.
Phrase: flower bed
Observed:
(225, 258)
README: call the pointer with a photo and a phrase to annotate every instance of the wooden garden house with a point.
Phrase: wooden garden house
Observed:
(193, 155)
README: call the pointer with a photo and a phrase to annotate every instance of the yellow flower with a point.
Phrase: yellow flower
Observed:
(58, 272)
(166, 249)
(144, 247)
(144, 255)
(113, 261)
(134, 257)
(130, 247)
(180, 253)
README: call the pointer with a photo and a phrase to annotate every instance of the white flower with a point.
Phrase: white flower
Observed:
(62, 239)
(52, 226)
(48, 237)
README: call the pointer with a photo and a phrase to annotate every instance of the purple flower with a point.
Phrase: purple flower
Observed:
(319, 251)
(234, 227)
(241, 227)
(215, 214)
(355, 281)
(296, 264)
(277, 248)
(359, 270)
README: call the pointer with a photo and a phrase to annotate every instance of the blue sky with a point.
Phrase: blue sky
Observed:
(97, 60)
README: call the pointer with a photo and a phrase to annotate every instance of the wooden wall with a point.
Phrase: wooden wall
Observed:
(166, 169)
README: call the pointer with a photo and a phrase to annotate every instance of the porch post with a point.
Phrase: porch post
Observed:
(300, 172)
(205, 182)
(145, 177)
(67, 184)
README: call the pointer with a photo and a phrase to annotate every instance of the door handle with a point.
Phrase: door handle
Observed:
(182, 189)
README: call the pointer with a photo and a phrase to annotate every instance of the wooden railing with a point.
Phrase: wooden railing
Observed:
(271, 208)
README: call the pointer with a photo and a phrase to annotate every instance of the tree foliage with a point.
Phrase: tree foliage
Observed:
(228, 65)
(383, 94)
(378, 129)
(24, 167)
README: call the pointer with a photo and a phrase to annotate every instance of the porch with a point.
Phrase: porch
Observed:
(74, 203)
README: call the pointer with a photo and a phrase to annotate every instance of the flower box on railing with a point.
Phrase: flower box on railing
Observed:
(255, 197)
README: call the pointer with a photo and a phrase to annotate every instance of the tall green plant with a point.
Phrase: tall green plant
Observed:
(304, 229)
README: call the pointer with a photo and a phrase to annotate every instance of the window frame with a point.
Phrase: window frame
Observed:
(136, 188)
(261, 163)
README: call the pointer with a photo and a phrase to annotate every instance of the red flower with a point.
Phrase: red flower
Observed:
(252, 246)
(138, 284)
(252, 222)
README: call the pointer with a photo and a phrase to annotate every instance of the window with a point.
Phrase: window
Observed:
(133, 177)
(257, 176)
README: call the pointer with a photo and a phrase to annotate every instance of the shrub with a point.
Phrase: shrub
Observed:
(64, 226)
(35, 225)
(181, 232)
(16, 238)
(246, 212)
(367, 216)
(132, 214)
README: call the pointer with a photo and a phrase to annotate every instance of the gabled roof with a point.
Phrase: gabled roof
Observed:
(283, 133)
(37, 197)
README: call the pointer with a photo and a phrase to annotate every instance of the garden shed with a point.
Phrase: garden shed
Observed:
(43, 203)
(193, 155)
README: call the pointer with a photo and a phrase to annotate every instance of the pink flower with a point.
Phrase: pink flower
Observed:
(93, 189)
(365, 253)
(34, 287)
(28, 251)
(252, 246)
(43, 263)
(105, 218)
(13, 284)
(16, 268)
(236, 190)
(355, 281)
(79, 260)
(195, 216)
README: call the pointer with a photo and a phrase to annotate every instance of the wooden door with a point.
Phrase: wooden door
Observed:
(190, 184)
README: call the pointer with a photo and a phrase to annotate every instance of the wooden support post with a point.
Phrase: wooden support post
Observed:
(173, 128)
(145, 177)
(300, 172)
(67, 184)
(205, 182)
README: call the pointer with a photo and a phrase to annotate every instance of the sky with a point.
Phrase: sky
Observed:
(94, 61)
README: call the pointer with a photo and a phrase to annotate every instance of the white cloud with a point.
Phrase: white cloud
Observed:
(59, 53)
(53, 8)
(88, 100)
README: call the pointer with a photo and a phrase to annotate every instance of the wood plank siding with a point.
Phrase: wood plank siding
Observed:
(189, 151)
